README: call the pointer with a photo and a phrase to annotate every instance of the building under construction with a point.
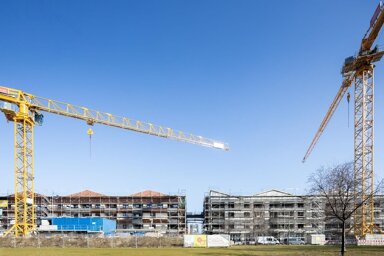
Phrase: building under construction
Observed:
(141, 212)
(274, 213)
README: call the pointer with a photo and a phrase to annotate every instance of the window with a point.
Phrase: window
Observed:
(216, 226)
(231, 214)
(218, 205)
(231, 226)
(247, 214)
(300, 205)
(247, 205)
(281, 205)
(218, 214)
(273, 214)
(300, 214)
(231, 205)
(300, 226)
(258, 205)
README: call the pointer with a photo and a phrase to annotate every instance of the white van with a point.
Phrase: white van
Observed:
(267, 240)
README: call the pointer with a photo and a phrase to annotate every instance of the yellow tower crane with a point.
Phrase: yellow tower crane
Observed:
(25, 109)
(359, 70)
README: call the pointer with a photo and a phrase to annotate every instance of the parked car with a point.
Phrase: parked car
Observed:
(267, 240)
(293, 240)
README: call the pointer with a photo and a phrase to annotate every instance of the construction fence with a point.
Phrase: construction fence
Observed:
(91, 242)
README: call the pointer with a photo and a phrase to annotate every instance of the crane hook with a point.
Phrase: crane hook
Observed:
(90, 132)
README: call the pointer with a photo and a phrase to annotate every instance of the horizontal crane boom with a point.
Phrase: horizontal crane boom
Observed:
(37, 103)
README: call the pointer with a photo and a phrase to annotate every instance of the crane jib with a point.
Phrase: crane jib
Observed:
(37, 104)
(376, 13)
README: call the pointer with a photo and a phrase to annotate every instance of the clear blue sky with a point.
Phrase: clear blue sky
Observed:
(259, 75)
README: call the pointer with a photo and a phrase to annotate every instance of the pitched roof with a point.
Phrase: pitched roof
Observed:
(217, 193)
(273, 192)
(86, 193)
(148, 193)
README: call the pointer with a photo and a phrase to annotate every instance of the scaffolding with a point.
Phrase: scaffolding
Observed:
(273, 213)
(137, 213)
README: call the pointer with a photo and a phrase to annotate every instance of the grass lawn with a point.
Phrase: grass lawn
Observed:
(238, 250)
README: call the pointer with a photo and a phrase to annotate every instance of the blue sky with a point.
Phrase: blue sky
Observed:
(259, 75)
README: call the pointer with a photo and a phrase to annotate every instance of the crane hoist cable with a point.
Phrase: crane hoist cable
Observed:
(90, 133)
(348, 99)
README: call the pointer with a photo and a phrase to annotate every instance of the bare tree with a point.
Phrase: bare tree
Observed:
(336, 185)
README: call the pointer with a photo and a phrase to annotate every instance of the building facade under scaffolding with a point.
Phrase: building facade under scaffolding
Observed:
(139, 213)
(272, 213)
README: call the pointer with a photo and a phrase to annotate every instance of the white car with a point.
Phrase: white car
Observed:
(267, 240)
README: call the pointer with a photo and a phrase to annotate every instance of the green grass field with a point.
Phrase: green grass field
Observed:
(238, 251)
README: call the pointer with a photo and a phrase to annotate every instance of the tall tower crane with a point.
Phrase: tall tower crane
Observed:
(359, 70)
(25, 110)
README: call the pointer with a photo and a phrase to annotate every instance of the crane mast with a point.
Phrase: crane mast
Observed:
(24, 110)
(360, 71)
